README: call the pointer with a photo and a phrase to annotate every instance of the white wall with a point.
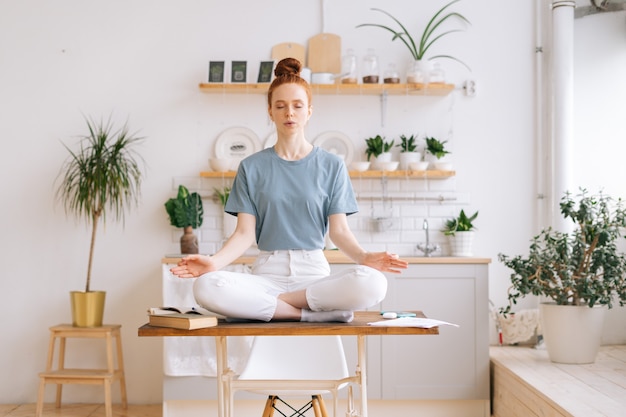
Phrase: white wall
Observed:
(142, 60)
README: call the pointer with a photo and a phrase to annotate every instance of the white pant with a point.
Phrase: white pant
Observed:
(254, 296)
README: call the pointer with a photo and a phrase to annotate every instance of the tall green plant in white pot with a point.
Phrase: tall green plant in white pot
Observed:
(419, 68)
(581, 273)
(101, 178)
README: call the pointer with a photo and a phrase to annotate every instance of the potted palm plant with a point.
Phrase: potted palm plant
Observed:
(460, 233)
(102, 177)
(186, 211)
(580, 272)
(418, 70)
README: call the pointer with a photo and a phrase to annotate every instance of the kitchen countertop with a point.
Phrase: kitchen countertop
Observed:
(337, 257)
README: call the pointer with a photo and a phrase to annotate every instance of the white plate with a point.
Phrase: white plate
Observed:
(237, 143)
(337, 143)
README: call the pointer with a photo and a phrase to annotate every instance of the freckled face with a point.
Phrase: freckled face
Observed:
(290, 108)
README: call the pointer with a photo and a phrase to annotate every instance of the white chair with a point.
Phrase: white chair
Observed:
(288, 366)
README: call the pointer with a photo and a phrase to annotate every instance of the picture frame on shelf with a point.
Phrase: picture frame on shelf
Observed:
(216, 71)
(238, 71)
(265, 71)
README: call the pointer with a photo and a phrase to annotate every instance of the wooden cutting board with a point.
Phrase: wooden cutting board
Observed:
(325, 53)
(288, 50)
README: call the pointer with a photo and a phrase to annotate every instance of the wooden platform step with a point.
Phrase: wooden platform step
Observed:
(526, 384)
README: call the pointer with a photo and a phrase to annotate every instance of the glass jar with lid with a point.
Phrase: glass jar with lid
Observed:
(370, 70)
(391, 74)
(348, 68)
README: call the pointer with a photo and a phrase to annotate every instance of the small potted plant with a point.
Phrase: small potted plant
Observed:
(460, 232)
(102, 177)
(582, 272)
(229, 221)
(419, 70)
(436, 153)
(408, 151)
(380, 149)
(186, 211)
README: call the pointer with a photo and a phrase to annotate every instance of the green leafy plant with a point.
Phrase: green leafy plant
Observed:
(461, 223)
(222, 195)
(429, 36)
(376, 146)
(581, 267)
(436, 147)
(185, 209)
(102, 177)
(407, 144)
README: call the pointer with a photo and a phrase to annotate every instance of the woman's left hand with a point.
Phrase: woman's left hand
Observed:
(384, 261)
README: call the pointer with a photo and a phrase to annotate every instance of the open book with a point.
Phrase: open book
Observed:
(181, 318)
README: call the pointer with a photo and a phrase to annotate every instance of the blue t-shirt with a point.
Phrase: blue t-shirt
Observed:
(291, 200)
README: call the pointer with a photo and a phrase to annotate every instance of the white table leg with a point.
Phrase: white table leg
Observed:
(362, 364)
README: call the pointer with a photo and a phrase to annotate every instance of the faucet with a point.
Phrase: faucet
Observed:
(427, 248)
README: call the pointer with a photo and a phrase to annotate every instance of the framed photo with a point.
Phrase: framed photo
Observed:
(216, 71)
(238, 71)
(265, 71)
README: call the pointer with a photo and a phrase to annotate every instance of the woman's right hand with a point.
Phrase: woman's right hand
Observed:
(193, 266)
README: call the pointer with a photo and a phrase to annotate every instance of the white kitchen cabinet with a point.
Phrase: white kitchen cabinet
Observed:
(454, 364)
(451, 366)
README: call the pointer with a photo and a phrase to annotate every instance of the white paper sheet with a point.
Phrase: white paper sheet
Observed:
(421, 322)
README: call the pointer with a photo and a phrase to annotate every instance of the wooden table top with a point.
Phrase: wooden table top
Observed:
(358, 326)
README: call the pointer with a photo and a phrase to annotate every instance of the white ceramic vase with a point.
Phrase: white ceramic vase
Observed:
(572, 333)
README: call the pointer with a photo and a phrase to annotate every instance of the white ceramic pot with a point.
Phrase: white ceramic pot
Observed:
(407, 157)
(380, 160)
(461, 243)
(572, 333)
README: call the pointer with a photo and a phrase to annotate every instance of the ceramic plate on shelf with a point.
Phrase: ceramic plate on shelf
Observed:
(237, 143)
(337, 143)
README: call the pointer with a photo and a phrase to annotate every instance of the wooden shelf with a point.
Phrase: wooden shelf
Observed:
(435, 89)
(430, 174)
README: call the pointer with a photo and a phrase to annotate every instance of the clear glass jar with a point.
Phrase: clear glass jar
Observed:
(348, 68)
(437, 74)
(418, 72)
(370, 68)
(391, 75)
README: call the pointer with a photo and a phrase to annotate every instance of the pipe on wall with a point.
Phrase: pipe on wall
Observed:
(562, 103)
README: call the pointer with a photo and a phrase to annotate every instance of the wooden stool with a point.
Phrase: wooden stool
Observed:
(63, 375)
(316, 403)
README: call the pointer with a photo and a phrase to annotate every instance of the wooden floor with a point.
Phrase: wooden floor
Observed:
(526, 384)
(81, 410)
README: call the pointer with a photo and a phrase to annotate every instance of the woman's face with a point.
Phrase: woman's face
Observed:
(290, 108)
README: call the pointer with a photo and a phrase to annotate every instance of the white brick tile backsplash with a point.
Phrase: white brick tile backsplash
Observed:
(408, 202)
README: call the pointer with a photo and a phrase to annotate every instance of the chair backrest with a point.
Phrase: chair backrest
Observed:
(296, 357)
